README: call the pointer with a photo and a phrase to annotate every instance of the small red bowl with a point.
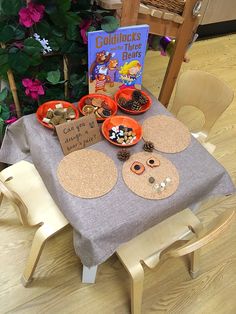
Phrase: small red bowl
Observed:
(42, 110)
(127, 94)
(110, 102)
(111, 122)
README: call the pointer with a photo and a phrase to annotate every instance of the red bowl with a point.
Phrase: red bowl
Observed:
(111, 122)
(42, 110)
(127, 94)
(110, 102)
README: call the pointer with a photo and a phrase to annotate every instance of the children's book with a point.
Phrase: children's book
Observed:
(116, 60)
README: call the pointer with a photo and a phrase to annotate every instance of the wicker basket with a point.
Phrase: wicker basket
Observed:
(174, 6)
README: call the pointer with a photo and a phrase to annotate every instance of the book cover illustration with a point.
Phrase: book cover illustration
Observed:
(116, 60)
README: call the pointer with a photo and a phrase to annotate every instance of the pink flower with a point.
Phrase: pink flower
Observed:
(11, 120)
(84, 26)
(31, 15)
(33, 88)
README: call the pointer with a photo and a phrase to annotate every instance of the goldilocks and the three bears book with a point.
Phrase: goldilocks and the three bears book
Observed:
(116, 60)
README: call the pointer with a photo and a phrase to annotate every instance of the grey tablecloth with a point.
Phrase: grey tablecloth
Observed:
(102, 224)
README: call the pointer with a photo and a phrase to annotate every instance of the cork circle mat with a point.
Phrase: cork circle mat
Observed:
(87, 173)
(140, 184)
(167, 134)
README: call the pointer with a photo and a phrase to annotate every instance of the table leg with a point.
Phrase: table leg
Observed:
(89, 274)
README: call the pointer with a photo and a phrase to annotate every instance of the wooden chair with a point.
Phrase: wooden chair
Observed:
(151, 246)
(208, 94)
(23, 187)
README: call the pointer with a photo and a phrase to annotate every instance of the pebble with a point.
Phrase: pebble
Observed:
(122, 134)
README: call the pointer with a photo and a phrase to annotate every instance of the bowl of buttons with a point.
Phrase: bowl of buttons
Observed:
(132, 101)
(55, 112)
(101, 105)
(122, 131)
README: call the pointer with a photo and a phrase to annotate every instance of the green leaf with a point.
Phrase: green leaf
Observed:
(7, 33)
(54, 44)
(109, 24)
(11, 7)
(19, 62)
(54, 92)
(1, 128)
(19, 33)
(32, 46)
(91, 28)
(72, 32)
(5, 112)
(54, 77)
(44, 28)
(4, 61)
(57, 32)
(73, 18)
(35, 60)
(76, 79)
(71, 47)
(3, 94)
(64, 5)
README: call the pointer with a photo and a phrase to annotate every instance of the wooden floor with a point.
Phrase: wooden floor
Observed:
(57, 287)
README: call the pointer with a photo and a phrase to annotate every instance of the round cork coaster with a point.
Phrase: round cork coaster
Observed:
(167, 134)
(142, 185)
(87, 173)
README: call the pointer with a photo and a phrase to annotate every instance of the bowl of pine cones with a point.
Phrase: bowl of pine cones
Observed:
(132, 101)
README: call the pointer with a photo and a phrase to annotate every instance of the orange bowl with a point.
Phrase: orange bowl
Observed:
(115, 121)
(127, 94)
(42, 110)
(109, 101)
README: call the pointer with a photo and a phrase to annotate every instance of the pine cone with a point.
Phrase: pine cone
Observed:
(136, 106)
(129, 104)
(143, 100)
(136, 95)
(122, 102)
(123, 154)
(148, 146)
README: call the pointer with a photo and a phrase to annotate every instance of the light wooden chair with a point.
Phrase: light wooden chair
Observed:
(208, 94)
(23, 187)
(152, 246)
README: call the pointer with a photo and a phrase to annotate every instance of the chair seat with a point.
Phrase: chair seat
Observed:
(41, 207)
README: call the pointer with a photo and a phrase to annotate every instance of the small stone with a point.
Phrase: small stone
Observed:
(120, 140)
(59, 106)
(151, 180)
(46, 120)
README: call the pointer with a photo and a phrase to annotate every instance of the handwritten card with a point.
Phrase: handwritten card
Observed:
(78, 134)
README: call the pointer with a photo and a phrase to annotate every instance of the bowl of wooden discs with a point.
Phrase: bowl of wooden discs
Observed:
(133, 101)
(101, 105)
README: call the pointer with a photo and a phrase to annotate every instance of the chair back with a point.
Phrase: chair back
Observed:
(205, 92)
(207, 235)
(14, 199)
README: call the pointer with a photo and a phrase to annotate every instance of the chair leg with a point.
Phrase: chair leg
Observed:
(137, 278)
(194, 263)
(1, 198)
(40, 238)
